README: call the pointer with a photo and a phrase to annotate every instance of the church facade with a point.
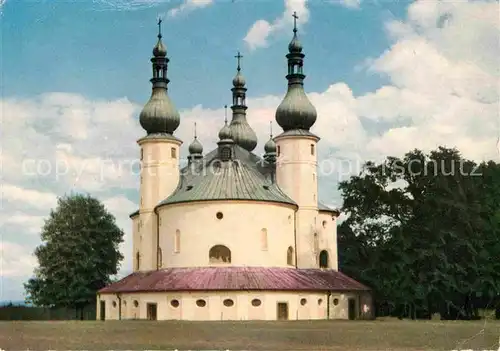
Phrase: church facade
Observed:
(232, 235)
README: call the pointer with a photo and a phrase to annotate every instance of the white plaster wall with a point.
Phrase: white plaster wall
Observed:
(136, 239)
(296, 171)
(240, 230)
(158, 179)
(327, 238)
(341, 310)
(315, 306)
(296, 174)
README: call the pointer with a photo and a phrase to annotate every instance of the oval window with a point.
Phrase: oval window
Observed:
(256, 302)
(324, 224)
(114, 303)
(136, 303)
(201, 303)
(228, 302)
(219, 215)
(335, 302)
(303, 302)
(174, 303)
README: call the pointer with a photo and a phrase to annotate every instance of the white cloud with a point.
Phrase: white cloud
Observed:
(352, 4)
(17, 260)
(37, 199)
(127, 5)
(261, 30)
(189, 5)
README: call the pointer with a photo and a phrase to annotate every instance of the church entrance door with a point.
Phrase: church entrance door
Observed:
(282, 308)
(352, 309)
(152, 311)
(102, 314)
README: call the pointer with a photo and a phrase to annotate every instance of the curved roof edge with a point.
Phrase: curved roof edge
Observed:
(159, 136)
(324, 208)
(133, 214)
(298, 132)
(163, 203)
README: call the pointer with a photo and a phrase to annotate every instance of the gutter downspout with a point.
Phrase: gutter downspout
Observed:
(157, 237)
(328, 305)
(295, 235)
(119, 296)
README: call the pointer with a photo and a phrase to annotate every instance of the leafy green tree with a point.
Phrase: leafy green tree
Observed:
(423, 231)
(78, 255)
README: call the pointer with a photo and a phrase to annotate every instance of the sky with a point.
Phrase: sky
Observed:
(385, 76)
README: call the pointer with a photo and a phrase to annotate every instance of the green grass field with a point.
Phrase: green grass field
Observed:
(384, 334)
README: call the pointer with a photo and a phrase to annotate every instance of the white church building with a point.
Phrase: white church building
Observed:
(232, 235)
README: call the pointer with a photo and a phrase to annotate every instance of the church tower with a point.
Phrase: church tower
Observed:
(159, 159)
(296, 153)
(241, 132)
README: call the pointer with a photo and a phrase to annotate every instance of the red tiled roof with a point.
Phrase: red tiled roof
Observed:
(234, 278)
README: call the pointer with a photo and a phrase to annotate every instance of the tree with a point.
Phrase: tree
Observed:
(78, 255)
(423, 231)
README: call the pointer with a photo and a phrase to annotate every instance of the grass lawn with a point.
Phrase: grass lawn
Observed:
(383, 334)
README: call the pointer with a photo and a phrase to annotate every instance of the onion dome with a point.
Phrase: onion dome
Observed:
(239, 80)
(241, 132)
(195, 148)
(295, 111)
(270, 146)
(159, 50)
(159, 115)
(225, 132)
(295, 45)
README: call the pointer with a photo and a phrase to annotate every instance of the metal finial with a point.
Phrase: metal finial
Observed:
(295, 17)
(225, 114)
(195, 136)
(159, 27)
(239, 58)
(271, 129)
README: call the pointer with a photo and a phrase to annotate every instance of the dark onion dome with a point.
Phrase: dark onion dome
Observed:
(295, 111)
(159, 115)
(243, 134)
(239, 80)
(159, 50)
(295, 45)
(270, 146)
(195, 147)
(225, 132)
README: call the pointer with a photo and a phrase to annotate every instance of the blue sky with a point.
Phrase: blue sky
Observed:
(385, 77)
(94, 50)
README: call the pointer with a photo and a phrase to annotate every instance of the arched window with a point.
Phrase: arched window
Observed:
(323, 259)
(219, 254)
(289, 256)
(160, 258)
(263, 239)
(177, 241)
(137, 261)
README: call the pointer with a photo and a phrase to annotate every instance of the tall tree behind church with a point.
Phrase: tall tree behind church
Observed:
(428, 244)
(78, 255)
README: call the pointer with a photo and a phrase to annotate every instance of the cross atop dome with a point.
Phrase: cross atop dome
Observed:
(239, 57)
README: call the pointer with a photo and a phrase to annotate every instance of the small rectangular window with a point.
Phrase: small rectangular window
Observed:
(142, 154)
(173, 152)
(312, 149)
(278, 151)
